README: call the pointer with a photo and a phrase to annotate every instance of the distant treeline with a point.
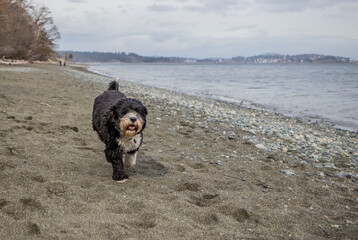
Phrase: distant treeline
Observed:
(106, 57)
(115, 57)
(26, 31)
(282, 58)
(301, 58)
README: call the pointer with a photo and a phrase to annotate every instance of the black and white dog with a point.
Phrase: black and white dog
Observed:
(119, 122)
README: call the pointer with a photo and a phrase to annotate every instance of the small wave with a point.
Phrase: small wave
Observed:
(255, 88)
(240, 102)
(100, 72)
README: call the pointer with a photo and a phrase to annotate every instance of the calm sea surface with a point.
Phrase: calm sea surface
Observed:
(320, 92)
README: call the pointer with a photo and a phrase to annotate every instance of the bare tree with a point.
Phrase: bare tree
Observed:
(15, 31)
(68, 56)
(26, 32)
(45, 34)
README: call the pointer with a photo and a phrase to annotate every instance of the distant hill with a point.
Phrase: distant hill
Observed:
(301, 58)
(107, 57)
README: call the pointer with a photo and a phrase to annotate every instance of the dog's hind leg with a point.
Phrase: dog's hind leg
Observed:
(115, 156)
(130, 159)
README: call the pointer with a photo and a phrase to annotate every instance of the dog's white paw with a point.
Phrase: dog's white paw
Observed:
(122, 181)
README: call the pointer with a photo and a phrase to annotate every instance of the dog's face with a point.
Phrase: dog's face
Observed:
(128, 116)
(131, 124)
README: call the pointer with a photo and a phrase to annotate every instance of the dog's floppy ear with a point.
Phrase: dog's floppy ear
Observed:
(111, 115)
(145, 110)
(108, 118)
(140, 107)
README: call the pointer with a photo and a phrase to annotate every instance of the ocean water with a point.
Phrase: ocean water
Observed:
(318, 92)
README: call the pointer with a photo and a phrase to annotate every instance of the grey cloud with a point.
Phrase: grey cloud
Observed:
(297, 6)
(77, 1)
(219, 7)
(158, 35)
(163, 36)
(223, 4)
(161, 8)
(241, 27)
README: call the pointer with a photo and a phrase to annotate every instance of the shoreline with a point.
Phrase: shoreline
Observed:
(344, 125)
(207, 169)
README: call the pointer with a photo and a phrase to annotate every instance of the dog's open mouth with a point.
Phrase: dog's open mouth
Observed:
(131, 127)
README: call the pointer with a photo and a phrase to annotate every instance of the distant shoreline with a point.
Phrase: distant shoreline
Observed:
(107, 57)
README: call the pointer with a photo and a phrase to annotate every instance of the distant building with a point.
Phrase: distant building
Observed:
(190, 60)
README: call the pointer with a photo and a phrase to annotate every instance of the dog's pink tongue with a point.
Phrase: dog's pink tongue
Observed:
(131, 127)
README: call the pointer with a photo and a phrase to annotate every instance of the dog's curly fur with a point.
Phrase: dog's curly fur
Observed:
(119, 122)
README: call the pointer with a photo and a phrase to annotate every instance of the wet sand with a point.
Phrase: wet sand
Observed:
(198, 175)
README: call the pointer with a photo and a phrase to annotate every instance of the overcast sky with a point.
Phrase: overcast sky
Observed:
(208, 28)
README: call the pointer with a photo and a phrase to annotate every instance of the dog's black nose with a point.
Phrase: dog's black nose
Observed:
(133, 119)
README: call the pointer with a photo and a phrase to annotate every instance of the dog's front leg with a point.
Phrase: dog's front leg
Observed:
(115, 156)
(130, 160)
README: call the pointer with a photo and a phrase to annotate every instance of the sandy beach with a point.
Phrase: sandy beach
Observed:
(206, 169)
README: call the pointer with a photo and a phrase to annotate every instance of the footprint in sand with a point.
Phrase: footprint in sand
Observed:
(31, 204)
(57, 188)
(206, 200)
(39, 179)
(239, 214)
(33, 228)
(146, 220)
(21, 208)
(206, 218)
(193, 187)
(198, 166)
(3, 203)
(150, 167)
(180, 168)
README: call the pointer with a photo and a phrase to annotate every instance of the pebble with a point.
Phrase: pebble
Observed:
(321, 174)
(216, 162)
(322, 228)
(318, 165)
(260, 146)
(288, 172)
(345, 174)
(74, 129)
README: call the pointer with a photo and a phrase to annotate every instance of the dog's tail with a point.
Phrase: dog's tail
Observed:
(114, 85)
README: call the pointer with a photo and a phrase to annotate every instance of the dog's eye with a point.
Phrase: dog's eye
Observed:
(123, 113)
